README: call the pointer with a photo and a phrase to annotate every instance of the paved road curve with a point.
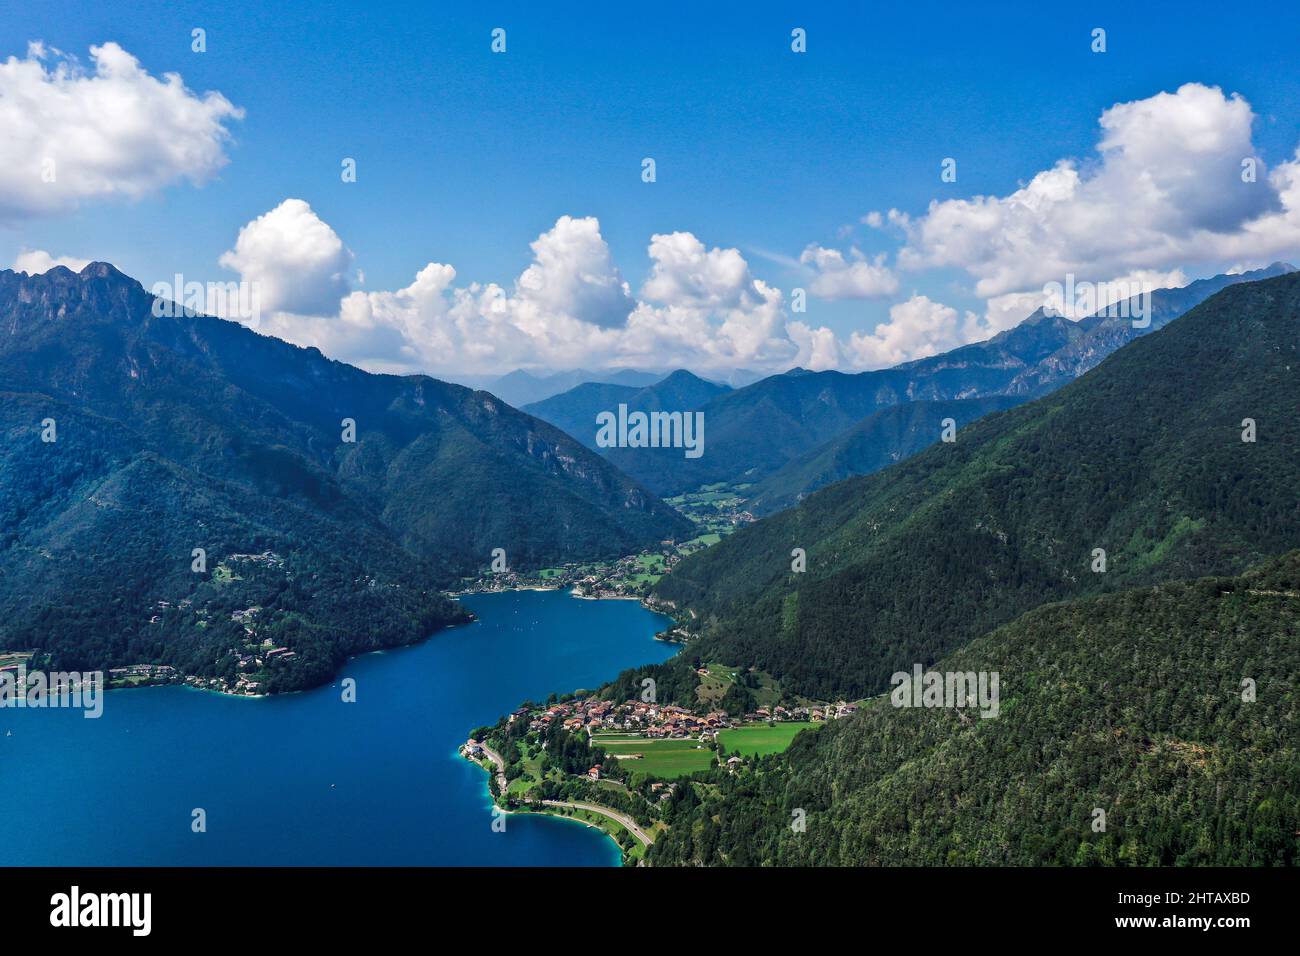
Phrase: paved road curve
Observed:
(501, 767)
(627, 821)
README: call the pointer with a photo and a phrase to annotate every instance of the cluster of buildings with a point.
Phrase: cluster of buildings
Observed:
(663, 720)
(657, 721)
(139, 673)
(254, 661)
(652, 720)
(813, 712)
(244, 686)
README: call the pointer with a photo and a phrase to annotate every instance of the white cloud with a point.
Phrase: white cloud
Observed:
(573, 274)
(298, 263)
(687, 274)
(854, 278)
(111, 131)
(703, 307)
(819, 349)
(570, 306)
(699, 307)
(916, 328)
(1165, 190)
(38, 261)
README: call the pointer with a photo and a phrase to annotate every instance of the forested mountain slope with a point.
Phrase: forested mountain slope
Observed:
(574, 412)
(879, 440)
(1143, 457)
(1173, 710)
(176, 433)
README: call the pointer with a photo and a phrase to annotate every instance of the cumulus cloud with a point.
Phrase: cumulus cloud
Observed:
(916, 328)
(819, 348)
(573, 274)
(38, 261)
(569, 307)
(856, 277)
(298, 263)
(1165, 189)
(73, 134)
(703, 306)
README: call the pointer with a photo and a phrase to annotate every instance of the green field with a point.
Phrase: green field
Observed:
(14, 658)
(703, 541)
(653, 563)
(714, 686)
(664, 759)
(758, 740)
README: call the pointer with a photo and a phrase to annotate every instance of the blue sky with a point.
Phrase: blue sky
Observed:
(465, 157)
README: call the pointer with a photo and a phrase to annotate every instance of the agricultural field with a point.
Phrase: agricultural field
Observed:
(664, 759)
(716, 509)
(759, 740)
(14, 658)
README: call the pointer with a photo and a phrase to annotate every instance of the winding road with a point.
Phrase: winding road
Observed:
(495, 757)
(626, 821)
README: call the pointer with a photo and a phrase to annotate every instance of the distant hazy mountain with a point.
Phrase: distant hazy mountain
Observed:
(172, 434)
(575, 411)
(520, 388)
(736, 378)
(754, 431)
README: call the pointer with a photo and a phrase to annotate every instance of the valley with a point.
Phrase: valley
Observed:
(981, 556)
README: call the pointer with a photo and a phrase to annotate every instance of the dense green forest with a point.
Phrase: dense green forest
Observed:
(98, 568)
(1173, 709)
(876, 442)
(1143, 457)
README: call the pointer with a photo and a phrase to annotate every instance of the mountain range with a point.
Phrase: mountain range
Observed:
(520, 387)
(333, 502)
(1121, 553)
(575, 411)
(755, 431)
(1143, 458)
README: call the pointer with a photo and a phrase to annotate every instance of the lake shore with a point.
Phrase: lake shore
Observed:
(604, 819)
(375, 782)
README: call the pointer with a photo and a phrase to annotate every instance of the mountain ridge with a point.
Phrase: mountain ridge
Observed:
(574, 412)
(1142, 456)
(192, 409)
(756, 430)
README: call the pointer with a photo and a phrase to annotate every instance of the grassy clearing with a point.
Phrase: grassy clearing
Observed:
(662, 759)
(759, 740)
(714, 686)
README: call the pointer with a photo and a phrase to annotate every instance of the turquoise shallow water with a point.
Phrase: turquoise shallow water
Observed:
(306, 779)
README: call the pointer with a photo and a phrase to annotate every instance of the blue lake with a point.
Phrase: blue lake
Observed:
(306, 779)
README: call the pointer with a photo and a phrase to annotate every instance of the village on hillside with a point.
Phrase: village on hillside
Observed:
(665, 721)
(716, 510)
